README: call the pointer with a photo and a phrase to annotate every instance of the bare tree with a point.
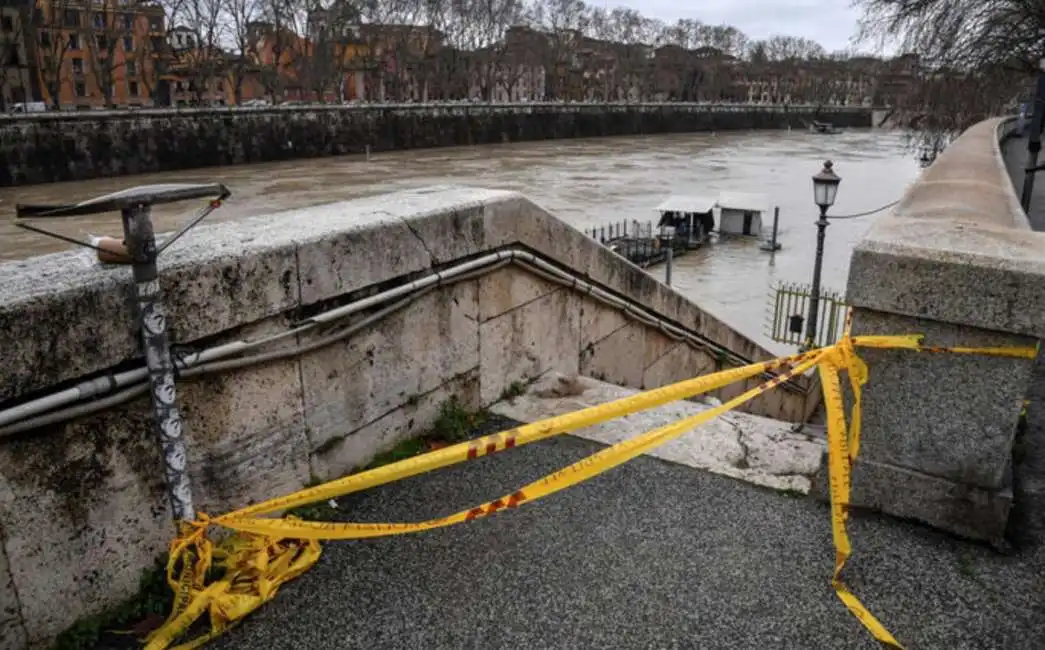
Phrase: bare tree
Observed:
(14, 74)
(475, 34)
(635, 38)
(107, 30)
(240, 16)
(202, 59)
(792, 48)
(480, 27)
(563, 22)
(329, 33)
(58, 24)
(282, 47)
(727, 39)
(390, 38)
(976, 55)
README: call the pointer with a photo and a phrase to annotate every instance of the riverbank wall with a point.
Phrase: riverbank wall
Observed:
(54, 147)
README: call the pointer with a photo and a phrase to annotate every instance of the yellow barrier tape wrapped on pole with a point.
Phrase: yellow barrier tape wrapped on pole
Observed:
(265, 553)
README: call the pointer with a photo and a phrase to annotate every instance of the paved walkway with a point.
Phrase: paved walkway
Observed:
(650, 555)
(1014, 151)
(1029, 517)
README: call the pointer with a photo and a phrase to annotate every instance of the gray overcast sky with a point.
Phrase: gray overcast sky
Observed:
(829, 22)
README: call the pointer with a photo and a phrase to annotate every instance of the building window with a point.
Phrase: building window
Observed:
(132, 88)
(128, 21)
(77, 66)
(103, 42)
(45, 39)
(99, 20)
(74, 41)
(81, 89)
(7, 24)
(71, 18)
(132, 68)
(128, 43)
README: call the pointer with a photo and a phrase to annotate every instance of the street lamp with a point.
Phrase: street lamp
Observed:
(825, 188)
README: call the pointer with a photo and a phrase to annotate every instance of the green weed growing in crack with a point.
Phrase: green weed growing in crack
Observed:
(513, 390)
(152, 601)
(456, 422)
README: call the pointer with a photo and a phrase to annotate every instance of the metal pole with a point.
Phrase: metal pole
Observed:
(167, 422)
(669, 256)
(814, 298)
(1038, 121)
(776, 221)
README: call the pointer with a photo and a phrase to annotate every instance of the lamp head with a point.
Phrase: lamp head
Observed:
(825, 186)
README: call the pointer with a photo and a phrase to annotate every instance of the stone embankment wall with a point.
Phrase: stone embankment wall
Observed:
(82, 504)
(957, 262)
(76, 146)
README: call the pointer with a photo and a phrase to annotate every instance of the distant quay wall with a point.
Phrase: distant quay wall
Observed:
(67, 146)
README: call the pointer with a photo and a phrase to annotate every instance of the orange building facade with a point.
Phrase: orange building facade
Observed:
(97, 53)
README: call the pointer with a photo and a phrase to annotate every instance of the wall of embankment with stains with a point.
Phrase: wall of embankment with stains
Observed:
(67, 146)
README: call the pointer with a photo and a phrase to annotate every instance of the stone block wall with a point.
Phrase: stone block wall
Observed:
(82, 504)
(48, 147)
(957, 263)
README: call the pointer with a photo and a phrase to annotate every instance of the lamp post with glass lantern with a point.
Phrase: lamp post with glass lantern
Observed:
(825, 189)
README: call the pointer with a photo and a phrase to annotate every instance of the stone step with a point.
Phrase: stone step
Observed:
(751, 448)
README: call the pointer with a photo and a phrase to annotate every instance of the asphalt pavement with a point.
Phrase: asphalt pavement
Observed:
(1014, 151)
(649, 555)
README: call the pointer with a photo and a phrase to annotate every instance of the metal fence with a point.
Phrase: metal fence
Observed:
(636, 241)
(789, 310)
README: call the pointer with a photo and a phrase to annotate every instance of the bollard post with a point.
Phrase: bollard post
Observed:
(776, 223)
(167, 423)
(772, 246)
(669, 257)
(368, 153)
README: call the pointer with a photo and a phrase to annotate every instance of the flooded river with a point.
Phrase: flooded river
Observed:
(585, 182)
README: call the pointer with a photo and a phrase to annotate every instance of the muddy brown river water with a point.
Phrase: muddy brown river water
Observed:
(585, 182)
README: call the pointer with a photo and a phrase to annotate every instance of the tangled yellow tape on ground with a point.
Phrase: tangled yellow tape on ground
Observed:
(263, 553)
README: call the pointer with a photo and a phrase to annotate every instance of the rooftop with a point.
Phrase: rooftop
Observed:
(743, 201)
(684, 203)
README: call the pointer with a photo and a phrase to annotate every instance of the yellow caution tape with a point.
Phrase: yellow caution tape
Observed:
(264, 553)
(580, 471)
(515, 437)
(246, 561)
